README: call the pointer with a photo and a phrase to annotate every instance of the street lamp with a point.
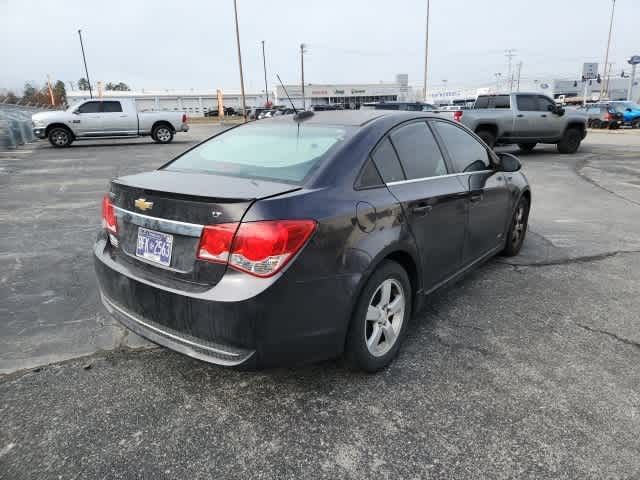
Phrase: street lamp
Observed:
(85, 63)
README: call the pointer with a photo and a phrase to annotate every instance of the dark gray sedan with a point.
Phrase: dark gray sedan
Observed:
(302, 238)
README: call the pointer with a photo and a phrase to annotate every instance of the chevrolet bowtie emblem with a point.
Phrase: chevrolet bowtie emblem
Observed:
(142, 204)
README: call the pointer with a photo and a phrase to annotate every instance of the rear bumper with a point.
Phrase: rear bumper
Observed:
(286, 323)
(184, 127)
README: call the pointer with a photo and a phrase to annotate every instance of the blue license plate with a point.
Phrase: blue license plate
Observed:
(154, 246)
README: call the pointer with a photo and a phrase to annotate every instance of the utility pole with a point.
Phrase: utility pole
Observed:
(509, 54)
(633, 61)
(426, 55)
(519, 72)
(85, 63)
(244, 103)
(497, 75)
(303, 49)
(264, 64)
(606, 55)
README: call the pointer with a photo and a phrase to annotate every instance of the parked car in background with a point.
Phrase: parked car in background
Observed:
(630, 112)
(299, 238)
(602, 116)
(115, 117)
(408, 106)
(214, 112)
(525, 119)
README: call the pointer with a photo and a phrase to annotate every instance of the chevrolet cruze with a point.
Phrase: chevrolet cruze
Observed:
(300, 238)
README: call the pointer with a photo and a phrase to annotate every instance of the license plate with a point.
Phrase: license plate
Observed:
(154, 246)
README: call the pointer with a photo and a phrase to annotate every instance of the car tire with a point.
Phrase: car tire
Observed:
(526, 147)
(517, 228)
(162, 133)
(614, 126)
(635, 123)
(376, 318)
(570, 141)
(487, 137)
(60, 137)
(596, 123)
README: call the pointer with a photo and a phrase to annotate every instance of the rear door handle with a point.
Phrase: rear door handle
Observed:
(544, 115)
(475, 197)
(421, 209)
(520, 115)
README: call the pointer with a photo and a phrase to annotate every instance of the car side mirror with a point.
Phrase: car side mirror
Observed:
(76, 112)
(509, 162)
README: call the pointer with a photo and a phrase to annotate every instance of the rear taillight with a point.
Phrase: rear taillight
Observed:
(457, 115)
(109, 220)
(258, 248)
(184, 118)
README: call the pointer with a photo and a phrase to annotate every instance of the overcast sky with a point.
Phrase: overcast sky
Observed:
(185, 44)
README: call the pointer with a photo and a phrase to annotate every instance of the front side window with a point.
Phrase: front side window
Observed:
(545, 104)
(387, 162)
(90, 107)
(111, 107)
(466, 153)
(418, 151)
(287, 152)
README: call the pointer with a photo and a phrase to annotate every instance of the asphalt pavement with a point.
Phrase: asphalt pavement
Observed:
(527, 368)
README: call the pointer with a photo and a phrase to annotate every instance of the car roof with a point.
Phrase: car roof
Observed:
(356, 118)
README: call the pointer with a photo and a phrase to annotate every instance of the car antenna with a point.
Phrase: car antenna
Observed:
(287, 94)
(298, 115)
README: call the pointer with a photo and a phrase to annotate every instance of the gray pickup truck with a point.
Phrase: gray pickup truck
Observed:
(525, 119)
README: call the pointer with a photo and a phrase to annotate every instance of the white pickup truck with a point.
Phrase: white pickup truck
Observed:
(107, 118)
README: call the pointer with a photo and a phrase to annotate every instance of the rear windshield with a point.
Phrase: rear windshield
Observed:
(283, 151)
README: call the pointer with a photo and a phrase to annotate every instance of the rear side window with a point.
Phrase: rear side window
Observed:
(492, 101)
(527, 103)
(387, 162)
(369, 177)
(284, 151)
(418, 151)
(90, 107)
(111, 107)
(467, 153)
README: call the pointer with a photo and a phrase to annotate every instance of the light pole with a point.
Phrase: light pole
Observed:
(509, 54)
(264, 64)
(85, 63)
(426, 55)
(497, 75)
(244, 103)
(303, 49)
(604, 85)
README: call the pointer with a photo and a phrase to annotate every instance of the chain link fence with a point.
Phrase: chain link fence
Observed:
(16, 126)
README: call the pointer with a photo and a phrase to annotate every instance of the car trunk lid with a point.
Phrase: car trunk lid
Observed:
(161, 215)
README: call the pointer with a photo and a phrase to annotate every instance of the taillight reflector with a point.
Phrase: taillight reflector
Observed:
(109, 219)
(457, 115)
(259, 248)
(184, 118)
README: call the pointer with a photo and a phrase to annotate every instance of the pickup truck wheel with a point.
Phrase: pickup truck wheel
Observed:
(162, 134)
(526, 147)
(60, 137)
(596, 123)
(487, 137)
(570, 141)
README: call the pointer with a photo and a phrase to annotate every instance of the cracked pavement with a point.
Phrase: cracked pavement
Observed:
(527, 368)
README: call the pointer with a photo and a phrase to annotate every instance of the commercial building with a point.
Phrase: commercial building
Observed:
(350, 95)
(195, 102)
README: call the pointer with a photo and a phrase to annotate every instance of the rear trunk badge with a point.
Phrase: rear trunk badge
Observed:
(142, 204)
(216, 213)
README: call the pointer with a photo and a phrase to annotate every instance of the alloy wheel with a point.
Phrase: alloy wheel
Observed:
(163, 134)
(517, 232)
(385, 316)
(60, 138)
